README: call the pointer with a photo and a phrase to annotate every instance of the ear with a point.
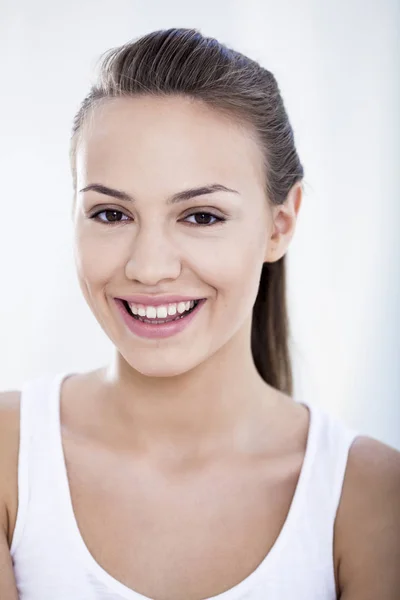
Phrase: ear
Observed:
(284, 218)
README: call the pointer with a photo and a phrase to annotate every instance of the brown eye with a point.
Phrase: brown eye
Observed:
(109, 216)
(203, 218)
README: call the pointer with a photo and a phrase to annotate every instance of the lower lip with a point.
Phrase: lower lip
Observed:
(160, 330)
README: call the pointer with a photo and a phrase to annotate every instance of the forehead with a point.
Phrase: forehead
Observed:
(166, 139)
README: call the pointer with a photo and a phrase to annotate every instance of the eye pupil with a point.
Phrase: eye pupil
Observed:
(203, 218)
(115, 215)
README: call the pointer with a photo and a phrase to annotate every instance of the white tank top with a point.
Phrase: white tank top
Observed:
(52, 562)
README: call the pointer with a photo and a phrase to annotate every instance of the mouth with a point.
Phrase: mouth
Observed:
(159, 320)
(163, 314)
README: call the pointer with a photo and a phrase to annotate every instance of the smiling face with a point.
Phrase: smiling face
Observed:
(154, 246)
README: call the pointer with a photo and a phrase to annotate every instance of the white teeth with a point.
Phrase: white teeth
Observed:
(151, 312)
(181, 307)
(162, 312)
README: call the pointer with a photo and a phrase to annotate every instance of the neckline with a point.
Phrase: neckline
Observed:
(98, 572)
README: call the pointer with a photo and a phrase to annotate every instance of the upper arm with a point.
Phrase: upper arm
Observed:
(9, 444)
(367, 530)
(8, 588)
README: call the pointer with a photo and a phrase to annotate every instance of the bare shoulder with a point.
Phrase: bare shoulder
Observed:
(9, 448)
(367, 530)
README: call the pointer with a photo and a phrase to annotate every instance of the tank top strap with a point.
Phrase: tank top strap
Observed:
(332, 441)
(38, 430)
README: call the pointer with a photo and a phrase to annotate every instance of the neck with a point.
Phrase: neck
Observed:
(210, 405)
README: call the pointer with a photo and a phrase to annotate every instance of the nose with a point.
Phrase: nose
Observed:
(153, 258)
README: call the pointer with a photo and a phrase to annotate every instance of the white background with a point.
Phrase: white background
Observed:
(337, 64)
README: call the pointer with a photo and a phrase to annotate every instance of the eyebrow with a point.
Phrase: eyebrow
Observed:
(178, 197)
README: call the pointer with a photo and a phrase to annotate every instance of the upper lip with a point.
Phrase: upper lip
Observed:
(157, 300)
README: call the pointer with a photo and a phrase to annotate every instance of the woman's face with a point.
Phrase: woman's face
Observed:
(144, 253)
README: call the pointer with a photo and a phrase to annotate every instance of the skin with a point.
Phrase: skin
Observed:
(188, 418)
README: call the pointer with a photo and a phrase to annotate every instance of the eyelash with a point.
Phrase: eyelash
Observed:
(95, 217)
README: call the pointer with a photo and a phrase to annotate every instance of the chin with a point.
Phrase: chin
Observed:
(156, 365)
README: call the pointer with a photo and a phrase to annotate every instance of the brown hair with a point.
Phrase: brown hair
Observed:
(184, 62)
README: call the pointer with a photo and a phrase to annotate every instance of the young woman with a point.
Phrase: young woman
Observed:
(185, 469)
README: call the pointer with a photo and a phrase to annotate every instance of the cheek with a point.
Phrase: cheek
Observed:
(233, 268)
(97, 258)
